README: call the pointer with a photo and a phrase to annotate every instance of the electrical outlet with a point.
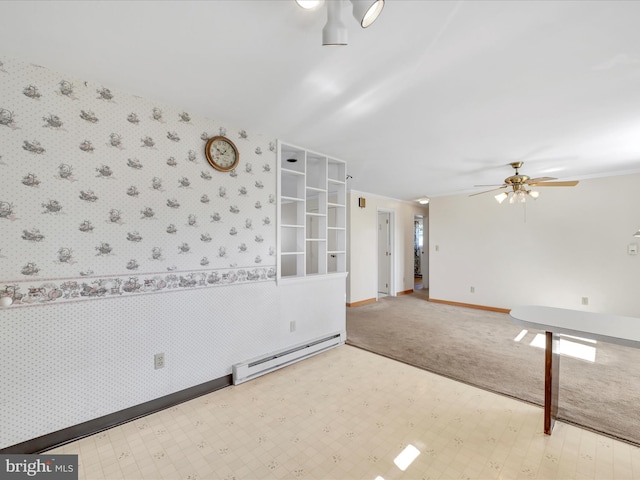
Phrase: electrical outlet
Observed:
(158, 361)
(472, 289)
(437, 248)
(292, 326)
(585, 300)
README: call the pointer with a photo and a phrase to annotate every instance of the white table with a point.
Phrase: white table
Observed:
(555, 321)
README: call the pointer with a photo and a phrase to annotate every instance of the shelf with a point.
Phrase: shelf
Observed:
(288, 171)
(292, 238)
(316, 170)
(292, 158)
(336, 239)
(311, 214)
(316, 200)
(316, 257)
(293, 280)
(336, 170)
(292, 265)
(292, 185)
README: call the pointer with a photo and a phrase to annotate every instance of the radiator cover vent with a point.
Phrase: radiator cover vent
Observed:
(267, 363)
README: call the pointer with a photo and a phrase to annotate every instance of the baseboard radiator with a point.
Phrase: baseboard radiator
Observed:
(250, 369)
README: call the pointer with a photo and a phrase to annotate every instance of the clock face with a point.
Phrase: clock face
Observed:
(222, 154)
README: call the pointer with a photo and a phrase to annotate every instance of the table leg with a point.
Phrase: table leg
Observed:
(551, 380)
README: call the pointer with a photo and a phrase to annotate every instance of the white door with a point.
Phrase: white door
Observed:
(384, 253)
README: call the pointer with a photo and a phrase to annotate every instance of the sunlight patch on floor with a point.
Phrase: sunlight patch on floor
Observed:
(406, 457)
(569, 348)
(520, 336)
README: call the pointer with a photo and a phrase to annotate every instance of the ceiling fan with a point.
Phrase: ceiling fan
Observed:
(520, 184)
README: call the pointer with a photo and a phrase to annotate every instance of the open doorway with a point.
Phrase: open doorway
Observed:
(385, 248)
(420, 253)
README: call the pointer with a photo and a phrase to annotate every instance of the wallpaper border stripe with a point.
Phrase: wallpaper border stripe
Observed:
(117, 286)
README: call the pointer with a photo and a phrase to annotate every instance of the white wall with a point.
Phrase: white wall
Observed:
(362, 283)
(69, 363)
(568, 244)
(79, 341)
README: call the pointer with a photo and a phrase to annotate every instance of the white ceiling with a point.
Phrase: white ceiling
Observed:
(433, 98)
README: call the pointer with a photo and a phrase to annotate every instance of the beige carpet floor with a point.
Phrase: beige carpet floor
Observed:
(479, 348)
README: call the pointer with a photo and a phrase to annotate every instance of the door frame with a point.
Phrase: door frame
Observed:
(426, 260)
(392, 248)
(420, 220)
(424, 253)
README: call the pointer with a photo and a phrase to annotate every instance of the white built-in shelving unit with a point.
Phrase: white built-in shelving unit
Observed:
(312, 216)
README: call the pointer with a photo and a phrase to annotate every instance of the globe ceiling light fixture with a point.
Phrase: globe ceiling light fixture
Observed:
(309, 4)
(335, 31)
(367, 11)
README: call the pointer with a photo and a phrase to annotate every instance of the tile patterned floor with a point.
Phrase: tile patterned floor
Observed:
(347, 414)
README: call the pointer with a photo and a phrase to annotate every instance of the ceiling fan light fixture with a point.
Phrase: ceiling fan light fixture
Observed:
(335, 31)
(501, 197)
(519, 187)
(367, 11)
(518, 196)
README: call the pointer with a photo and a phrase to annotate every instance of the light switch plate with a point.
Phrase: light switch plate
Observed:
(632, 249)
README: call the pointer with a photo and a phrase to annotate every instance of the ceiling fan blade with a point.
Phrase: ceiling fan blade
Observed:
(487, 191)
(570, 183)
(539, 179)
(491, 185)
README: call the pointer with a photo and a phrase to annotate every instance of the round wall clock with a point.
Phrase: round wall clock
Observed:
(221, 153)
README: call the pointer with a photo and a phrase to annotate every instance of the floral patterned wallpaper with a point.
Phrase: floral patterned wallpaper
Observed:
(105, 193)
